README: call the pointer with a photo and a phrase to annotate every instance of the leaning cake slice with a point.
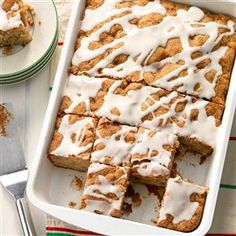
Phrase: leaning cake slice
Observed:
(113, 143)
(182, 205)
(152, 156)
(105, 189)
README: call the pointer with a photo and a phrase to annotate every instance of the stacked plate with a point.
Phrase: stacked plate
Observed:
(25, 62)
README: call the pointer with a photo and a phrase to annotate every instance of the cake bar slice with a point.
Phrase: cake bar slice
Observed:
(113, 143)
(105, 188)
(84, 95)
(182, 205)
(72, 142)
(15, 23)
(204, 76)
(152, 156)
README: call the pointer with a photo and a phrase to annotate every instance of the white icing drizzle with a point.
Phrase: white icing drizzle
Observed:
(81, 89)
(8, 22)
(204, 128)
(67, 147)
(108, 9)
(131, 112)
(151, 169)
(116, 148)
(188, 82)
(96, 167)
(131, 41)
(177, 201)
(139, 44)
(148, 141)
(106, 207)
(104, 187)
(15, 7)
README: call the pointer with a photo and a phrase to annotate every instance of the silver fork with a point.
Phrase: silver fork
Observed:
(13, 171)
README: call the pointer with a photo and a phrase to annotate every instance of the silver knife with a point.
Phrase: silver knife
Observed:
(13, 170)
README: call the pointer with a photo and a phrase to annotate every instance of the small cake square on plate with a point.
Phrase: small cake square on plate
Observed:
(152, 156)
(105, 189)
(72, 142)
(113, 143)
(182, 205)
(16, 19)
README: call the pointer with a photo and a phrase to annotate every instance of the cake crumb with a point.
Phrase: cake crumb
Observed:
(203, 158)
(157, 191)
(136, 200)
(130, 191)
(5, 117)
(174, 171)
(7, 51)
(76, 183)
(72, 204)
(192, 164)
(182, 151)
(154, 221)
(127, 208)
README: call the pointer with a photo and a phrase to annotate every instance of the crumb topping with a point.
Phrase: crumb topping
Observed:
(5, 117)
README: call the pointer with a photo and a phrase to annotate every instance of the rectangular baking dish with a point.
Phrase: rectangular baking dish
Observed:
(47, 184)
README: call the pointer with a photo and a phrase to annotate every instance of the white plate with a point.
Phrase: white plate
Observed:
(48, 186)
(45, 28)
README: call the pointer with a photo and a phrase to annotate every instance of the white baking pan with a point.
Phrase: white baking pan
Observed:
(49, 187)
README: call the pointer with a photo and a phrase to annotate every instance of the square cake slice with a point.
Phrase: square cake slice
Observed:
(105, 189)
(72, 142)
(16, 19)
(152, 156)
(113, 143)
(84, 95)
(182, 205)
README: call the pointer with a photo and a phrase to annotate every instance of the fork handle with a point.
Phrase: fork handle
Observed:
(25, 219)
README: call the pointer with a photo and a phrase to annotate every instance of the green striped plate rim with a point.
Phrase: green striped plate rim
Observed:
(33, 72)
(32, 68)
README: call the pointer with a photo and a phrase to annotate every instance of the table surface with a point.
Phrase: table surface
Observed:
(29, 113)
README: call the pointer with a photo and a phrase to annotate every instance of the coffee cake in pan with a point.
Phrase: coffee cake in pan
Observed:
(155, 75)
